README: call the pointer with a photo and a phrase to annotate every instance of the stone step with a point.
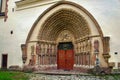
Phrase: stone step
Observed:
(64, 77)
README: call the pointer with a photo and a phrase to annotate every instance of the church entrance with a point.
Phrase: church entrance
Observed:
(65, 56)
(63, 38)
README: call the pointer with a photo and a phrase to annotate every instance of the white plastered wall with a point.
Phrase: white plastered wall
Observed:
(20, 23)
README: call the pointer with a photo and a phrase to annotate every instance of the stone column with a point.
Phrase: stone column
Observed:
(55, 54)
(86, 58)
(50, 54)
(42, 63)
(77, 59)
(75, 48)
(43, 53)
(82, 58)
(89, 59)
(39, 60)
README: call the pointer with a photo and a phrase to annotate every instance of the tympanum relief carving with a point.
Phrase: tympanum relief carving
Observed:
(65, 36)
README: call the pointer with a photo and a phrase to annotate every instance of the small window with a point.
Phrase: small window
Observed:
(2, 7)
(116, 53)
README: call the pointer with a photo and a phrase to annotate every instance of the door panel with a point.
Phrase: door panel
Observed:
(61, 59)
(69, 59)
(65, 56)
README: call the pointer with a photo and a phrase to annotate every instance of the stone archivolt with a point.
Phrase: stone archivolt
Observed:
(64, 19)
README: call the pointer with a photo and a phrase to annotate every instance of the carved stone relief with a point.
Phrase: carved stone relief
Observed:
(65, 36)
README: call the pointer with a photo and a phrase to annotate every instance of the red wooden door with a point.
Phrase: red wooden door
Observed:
(61, 59)
(69, 59)
(65, 57)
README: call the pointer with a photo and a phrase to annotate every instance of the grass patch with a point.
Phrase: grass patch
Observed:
(12, 75)
(111, 76)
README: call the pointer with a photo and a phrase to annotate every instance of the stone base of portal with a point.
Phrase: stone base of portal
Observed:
(52, 69)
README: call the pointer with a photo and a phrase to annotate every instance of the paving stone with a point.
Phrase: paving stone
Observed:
(64, 77)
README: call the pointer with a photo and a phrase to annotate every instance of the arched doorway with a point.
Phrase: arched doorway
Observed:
(64, 22)
(65, 25)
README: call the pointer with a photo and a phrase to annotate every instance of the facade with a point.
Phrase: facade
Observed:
(57, 33)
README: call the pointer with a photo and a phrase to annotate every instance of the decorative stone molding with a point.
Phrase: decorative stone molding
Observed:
(26, 4)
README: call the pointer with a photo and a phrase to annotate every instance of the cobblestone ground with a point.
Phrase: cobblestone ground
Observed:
(65, 77)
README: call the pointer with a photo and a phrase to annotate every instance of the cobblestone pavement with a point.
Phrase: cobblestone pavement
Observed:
(64, 77)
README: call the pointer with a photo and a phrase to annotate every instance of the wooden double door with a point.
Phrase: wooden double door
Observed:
(65, 56)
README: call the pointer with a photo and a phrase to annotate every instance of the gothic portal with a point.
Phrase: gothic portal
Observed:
(66, 36)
